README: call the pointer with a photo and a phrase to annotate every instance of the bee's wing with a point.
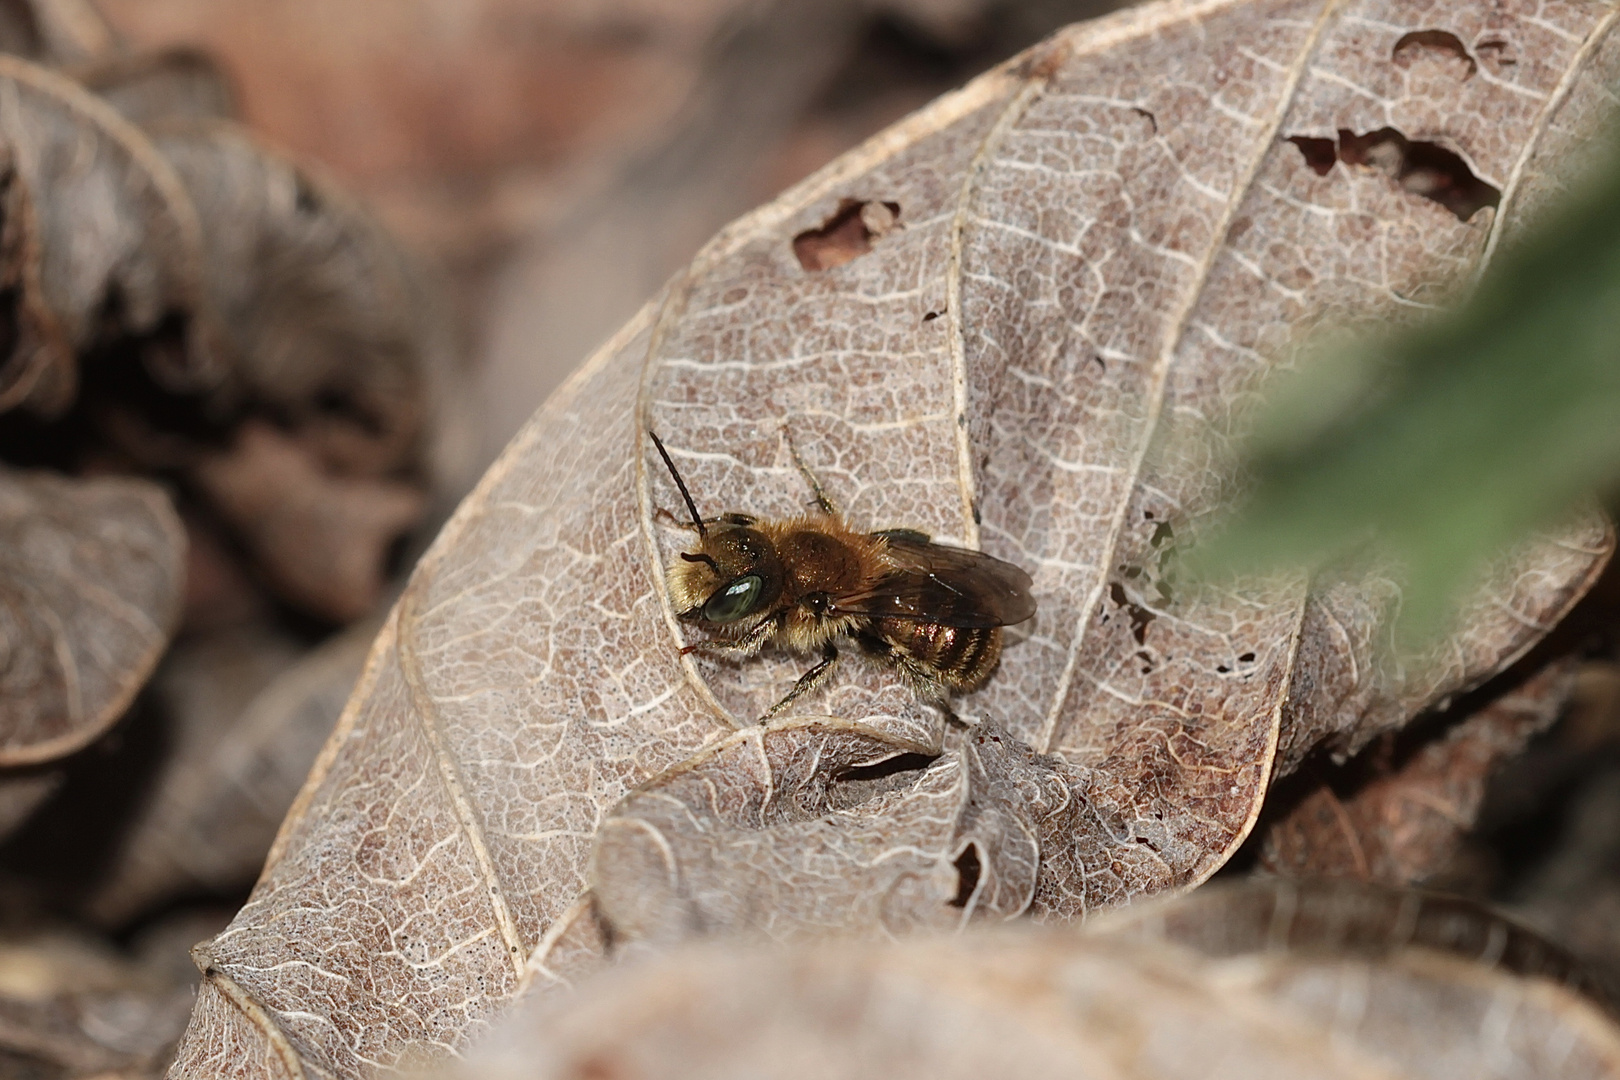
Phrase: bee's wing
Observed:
(952, 586)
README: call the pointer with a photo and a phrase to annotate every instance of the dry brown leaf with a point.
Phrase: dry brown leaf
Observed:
(1345, 919)
(771, 831)
(21, 793)
(55, 32)
(326, 319)
(1398, 814)
(90, 585)
(150, 88)
(321, 538)
(220, 593)
(1368, 985)
(99, 243)
(248, 711)
(1103, 245)
(71, 1007)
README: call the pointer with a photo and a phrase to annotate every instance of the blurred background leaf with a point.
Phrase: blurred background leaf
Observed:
(1442, 443)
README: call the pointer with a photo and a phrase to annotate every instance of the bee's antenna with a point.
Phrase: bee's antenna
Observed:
(687, 495)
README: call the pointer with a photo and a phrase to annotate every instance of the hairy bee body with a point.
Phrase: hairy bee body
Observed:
(938, 659)
(931, 611)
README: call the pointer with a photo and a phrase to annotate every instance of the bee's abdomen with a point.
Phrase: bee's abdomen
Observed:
(957, 659)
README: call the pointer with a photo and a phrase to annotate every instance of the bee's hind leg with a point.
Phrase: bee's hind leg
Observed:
(808, 681)
(924, 681)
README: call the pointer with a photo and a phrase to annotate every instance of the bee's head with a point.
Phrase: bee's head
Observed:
(734, 573)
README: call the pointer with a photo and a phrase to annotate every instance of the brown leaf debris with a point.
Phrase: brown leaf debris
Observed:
(1102, 255)
(90, 585)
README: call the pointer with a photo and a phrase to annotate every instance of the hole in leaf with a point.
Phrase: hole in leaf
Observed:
(847, 235)
(968, 870)
(1496, 51)
(1139, 615)
(1442, 42)
(1423, 168)
(850, 787)
(882, 770)
(1319, 154)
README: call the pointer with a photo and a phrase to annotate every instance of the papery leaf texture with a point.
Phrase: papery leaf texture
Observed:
(1029, 336)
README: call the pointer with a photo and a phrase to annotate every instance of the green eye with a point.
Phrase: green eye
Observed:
(734, 601)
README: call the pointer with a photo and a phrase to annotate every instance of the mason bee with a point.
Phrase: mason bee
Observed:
(932, 612)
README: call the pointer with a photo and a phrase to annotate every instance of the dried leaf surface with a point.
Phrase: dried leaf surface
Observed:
(1310, 992)
(99, 243)
(249, 711)
(320, 304)
(91, 574)
(1398, 814)
(69, 1006)
(153, 88)
(55, 32)
(772, 831)
(1344, 919)
(321, 537)
(1100, 249)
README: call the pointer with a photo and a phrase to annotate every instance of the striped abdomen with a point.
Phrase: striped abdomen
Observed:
(953, 659)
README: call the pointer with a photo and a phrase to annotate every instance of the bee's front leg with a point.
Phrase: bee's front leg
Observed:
(808, 681)
(742, 648)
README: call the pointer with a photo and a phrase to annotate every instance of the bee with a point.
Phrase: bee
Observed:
(933, 613)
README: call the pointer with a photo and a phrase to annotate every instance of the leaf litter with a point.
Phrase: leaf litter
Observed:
(1097, 266)
(1020, 321)
(1256, 979)
(215, 375)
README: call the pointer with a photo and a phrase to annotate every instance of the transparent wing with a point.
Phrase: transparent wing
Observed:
(947, 585)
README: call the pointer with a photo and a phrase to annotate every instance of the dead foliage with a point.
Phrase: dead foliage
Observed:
(1081, 269)
(1021, 320)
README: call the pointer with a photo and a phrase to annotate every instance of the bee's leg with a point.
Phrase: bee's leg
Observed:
(923, 679)
(745, 646)
(808, 681)
(822, 500)
(664, 517)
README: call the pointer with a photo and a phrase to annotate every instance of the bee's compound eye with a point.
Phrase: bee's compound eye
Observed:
(735, 601)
